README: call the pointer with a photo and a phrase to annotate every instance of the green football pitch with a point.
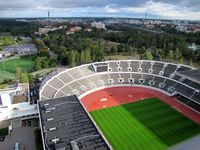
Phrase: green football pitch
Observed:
(144, 125)
(25, 63)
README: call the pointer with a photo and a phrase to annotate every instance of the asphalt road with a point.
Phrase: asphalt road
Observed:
(24, 136)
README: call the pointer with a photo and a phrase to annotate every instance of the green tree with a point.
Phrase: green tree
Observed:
(177, 54)
(148, 56)
(24, 78)
(18, 72)
(72, 58)
(38, 63)
(170, 45)
(170, 55)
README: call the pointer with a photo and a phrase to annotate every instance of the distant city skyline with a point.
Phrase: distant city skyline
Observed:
(155, 9)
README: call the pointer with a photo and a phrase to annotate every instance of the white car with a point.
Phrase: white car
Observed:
(17, 146)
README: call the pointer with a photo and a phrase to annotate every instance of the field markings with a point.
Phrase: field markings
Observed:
(103, 99)
(145, 125)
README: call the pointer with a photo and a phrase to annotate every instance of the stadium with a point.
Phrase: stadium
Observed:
(124, 104)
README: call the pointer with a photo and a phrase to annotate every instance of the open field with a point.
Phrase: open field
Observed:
(144, 125)
(25, 63)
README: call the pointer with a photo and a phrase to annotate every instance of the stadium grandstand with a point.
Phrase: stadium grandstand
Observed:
(180, 82)
(171, 79)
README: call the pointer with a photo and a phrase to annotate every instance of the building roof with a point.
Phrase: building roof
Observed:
(193, 75)
(66, 125)
(19, 99)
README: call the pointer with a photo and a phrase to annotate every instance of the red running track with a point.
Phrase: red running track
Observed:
(115, 96)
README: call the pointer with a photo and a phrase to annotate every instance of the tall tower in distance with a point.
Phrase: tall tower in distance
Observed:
(48, 14)
(145, 15)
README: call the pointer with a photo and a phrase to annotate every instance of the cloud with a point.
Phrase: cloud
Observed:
(172, 9)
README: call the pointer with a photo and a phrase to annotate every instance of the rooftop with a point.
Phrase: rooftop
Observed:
(193, 75)
(65, 124)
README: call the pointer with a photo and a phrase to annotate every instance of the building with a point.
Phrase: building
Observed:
(194, 47)
(14, 103)
(47, 29)
(149, 26)
(72, 30)
(98, 25)
(181, 28)
(4, 54)
(65, 125)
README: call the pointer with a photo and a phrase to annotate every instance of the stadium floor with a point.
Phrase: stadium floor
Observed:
(149, 124)
(115, 96)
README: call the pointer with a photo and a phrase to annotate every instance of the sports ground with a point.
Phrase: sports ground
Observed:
(25, 63)
(132, 118)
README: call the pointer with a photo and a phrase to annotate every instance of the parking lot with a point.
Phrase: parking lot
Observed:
(23, 135)
(23, 49)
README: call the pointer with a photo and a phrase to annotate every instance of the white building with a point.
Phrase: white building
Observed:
(98, 25)
(10, 109)
(137, 22)
(181, 28)
(4, 54)
(194, 47)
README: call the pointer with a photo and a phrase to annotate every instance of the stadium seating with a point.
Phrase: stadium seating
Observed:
(152, 74)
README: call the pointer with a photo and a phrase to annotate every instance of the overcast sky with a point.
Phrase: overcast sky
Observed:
(168, 9)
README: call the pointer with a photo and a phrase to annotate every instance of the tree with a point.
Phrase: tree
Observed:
(180, 61)
(142, 50)
(38, 63)
(170, 45)
(113, 50)
(45, 62)
(82, 57)
(148, 56)
(170, 55)
(18, 72)
(177, 54)
(190, 62)
(88, 55)
(72, 58)
(24, 78)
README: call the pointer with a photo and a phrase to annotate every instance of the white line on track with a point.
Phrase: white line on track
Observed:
(103, 99)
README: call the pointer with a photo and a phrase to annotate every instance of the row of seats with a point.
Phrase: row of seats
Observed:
(158, 75)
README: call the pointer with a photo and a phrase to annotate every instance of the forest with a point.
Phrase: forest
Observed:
(83, 47)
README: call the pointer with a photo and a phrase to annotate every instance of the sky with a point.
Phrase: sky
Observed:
(155, 9)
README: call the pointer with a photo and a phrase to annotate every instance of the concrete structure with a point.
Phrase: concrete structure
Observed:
(161, 76)
(11, 108)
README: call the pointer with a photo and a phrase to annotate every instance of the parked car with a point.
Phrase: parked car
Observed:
(17, 146)
(2, 138)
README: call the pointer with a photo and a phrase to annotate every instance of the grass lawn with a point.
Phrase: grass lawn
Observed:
(25, 63)
(144, 125)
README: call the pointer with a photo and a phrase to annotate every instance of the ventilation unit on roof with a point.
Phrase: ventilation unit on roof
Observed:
(56, 140)
(50, 108)
(52, 129)
(50, 119)
(46, 104)
(48, 111)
